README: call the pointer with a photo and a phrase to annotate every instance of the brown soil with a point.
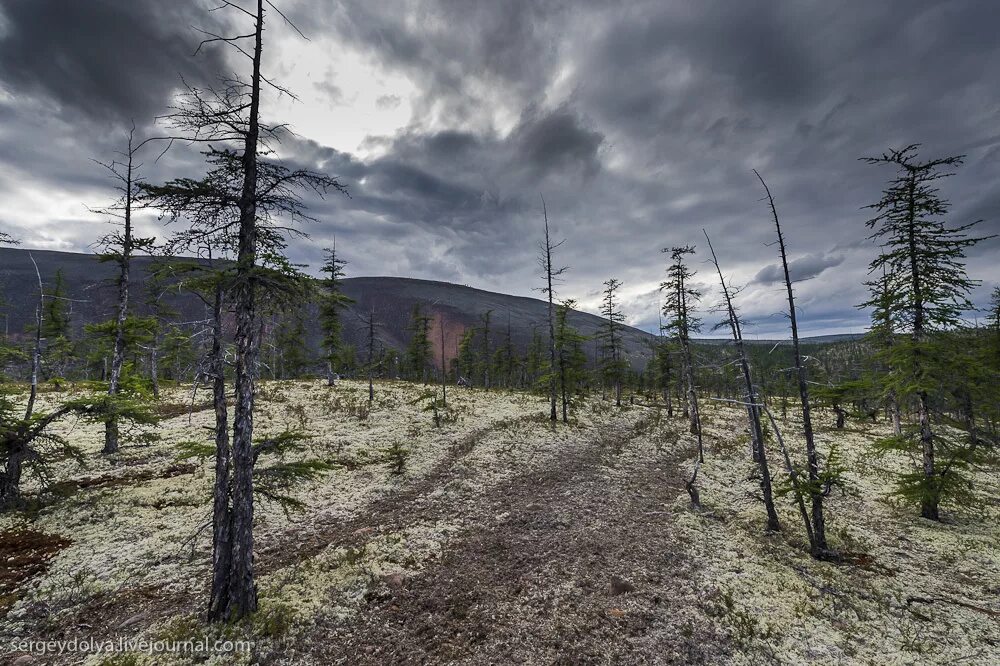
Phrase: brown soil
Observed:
(24, 554)
(573, 564)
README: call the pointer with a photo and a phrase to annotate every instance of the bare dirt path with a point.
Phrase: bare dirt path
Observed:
(573, 563)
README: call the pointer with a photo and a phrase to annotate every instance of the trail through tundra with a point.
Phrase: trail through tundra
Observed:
(572, 562)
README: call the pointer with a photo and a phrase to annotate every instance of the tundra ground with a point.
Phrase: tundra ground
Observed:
(504, 539)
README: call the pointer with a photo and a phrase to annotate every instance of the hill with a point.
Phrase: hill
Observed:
(90, 286)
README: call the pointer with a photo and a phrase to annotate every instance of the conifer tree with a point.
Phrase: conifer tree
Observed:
(486, 358)
(332, 303)
(505, 358)
(418, 352)
(372, 362)
(120, 246)
(465, 363)
(882, 336)
(923, 259)
(570, 357)
(613, 365)
(680, 299)
(290, 341)
(535, 366)
(236, 203)
(57, 329)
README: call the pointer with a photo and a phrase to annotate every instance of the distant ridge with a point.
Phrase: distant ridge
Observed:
(457, 307)
(809, 339)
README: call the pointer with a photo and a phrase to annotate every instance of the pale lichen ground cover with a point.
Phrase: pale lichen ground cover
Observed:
(782, 605)
(153, 535)
(147, 539)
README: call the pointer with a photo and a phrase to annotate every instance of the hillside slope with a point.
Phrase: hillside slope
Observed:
(90, 285)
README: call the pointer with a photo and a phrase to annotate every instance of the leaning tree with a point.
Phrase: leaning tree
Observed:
(818, 484)
(751, 398)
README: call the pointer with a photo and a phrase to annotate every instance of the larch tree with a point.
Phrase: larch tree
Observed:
(570, 358)
(610, 336)
(550, 276)
(251, 191)
(923, 259)
(333, 301)
(882, 335)
(61, 350)
(662, 352)
(120, 246)
(680, 297)
(418, 352)
(487, 358)
(751, 399)
(27, 442)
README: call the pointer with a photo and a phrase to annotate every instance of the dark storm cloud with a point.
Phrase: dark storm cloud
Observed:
(102, 58)
(74, 77)
(558, 141)
(640, 123)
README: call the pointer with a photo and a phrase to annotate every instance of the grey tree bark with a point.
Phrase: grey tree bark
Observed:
(817, 535)
(753, 410)
(242, 588)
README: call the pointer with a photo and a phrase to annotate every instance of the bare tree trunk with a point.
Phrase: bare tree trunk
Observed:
(371, 355)
(154, 369)
(562, 385)
(692, 489)
(753, 410)
(894, 412)
(818, 532)
(36, 355)
(667, 397)
(242, 588)
(118, 352)
(551, 313)
(444, 370)
(10, 479)
(794, 478)
(222, 518)
(929, 501)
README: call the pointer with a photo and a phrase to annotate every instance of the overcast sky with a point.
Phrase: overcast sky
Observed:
(639, 122)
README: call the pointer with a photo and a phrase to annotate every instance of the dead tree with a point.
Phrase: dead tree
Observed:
(551, 276)
(370, 326)
(444, 368)
(752, 402)
(817, 535)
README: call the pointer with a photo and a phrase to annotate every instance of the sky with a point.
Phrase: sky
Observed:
(448, 120)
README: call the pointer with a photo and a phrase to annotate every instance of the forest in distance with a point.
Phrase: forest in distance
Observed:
(214, 447)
